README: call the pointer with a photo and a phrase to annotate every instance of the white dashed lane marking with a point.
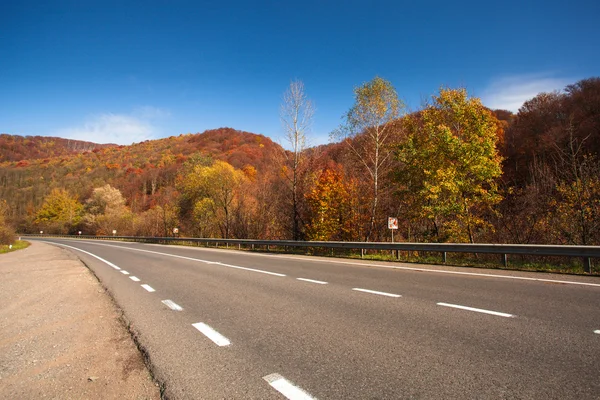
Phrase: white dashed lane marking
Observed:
(148, 288)
(597, 331)
(312, 281)
(480, 310)
(286, 388)
(376, 292)
(125, 272)
(134, 278)
(213, 335)
(172, 305)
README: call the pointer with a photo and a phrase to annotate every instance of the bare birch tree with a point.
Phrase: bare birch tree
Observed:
(296, 115)
(368, 130)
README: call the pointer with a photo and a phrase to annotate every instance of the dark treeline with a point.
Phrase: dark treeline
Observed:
(453, 171)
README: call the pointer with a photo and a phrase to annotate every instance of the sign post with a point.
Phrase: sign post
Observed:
(392, 225)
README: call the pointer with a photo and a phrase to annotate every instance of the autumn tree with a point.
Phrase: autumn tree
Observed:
(296, 118)
(157, 221)
(450, 164)
(213, 189)
(7, 234)
(552, 147)
(106, 211)
(576, 207)
(330, 206)
(60, 212)
(368, 131)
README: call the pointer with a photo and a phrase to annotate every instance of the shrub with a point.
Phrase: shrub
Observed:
(7, 235)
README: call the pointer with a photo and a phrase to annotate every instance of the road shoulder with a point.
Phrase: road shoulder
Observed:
(61, 336)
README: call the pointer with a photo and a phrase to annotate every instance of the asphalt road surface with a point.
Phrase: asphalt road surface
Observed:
(221, 324)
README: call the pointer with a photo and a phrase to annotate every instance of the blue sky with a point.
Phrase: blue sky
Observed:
(127, 71)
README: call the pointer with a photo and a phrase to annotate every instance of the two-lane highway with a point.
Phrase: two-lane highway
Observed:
(229, 324)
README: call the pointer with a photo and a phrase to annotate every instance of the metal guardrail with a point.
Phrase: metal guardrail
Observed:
(584, 252)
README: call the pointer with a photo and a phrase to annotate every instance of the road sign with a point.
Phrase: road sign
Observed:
(175, 230)
(392, 223)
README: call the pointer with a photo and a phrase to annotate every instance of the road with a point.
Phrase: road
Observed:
(220, 324)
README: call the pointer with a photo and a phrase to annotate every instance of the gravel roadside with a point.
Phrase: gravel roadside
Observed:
(61, 336)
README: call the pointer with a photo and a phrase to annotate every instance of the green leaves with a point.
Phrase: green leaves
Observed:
(450, 163)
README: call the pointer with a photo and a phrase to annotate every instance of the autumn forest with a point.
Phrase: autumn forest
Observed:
(453, 171)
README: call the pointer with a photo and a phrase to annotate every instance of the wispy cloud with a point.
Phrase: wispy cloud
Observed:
(510, 92)
(150, 112)
(125, 129)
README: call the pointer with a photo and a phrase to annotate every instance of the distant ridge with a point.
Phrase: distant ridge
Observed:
(18, 148)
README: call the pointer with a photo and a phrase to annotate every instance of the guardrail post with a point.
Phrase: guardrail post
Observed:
(252, 246)
(239, 246)
(444, 257)
(505, 260)
(587, 265)
(362, 253)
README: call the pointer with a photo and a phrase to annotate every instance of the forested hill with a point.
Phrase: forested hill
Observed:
(142, 171)
(19, 148)
(238, 148)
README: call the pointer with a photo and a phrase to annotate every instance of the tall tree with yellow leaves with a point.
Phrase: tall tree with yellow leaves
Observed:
(450, 164)
(368, 131)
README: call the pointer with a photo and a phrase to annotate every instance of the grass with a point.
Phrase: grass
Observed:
(18, 245)
(517, 263)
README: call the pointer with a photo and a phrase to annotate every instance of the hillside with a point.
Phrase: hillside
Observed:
(18, 148)
(140, 171)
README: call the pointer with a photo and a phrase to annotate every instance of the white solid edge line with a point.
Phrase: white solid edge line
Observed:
(124, 272)
(376, 292)
(499, 314)
(286, 388)
(597, 331)
(522, 278)
(148, 288)
(88, 253)
(134, 278)
(213, 335)
(182, 257)
(312, 281)
(172, 305)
